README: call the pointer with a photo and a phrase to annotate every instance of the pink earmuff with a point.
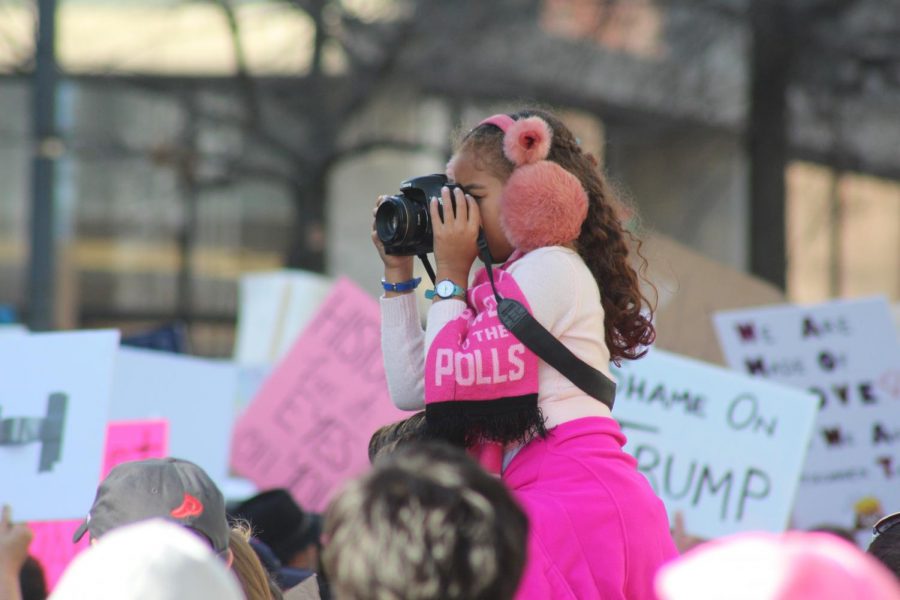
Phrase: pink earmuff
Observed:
(542, 204)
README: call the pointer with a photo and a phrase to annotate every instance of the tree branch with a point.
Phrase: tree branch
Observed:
(244, 80)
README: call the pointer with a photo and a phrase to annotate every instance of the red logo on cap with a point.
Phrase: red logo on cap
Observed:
(190, 507)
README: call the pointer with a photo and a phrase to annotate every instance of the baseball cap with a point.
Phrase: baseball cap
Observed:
(167, 488)
(279, 522)
(151, 560)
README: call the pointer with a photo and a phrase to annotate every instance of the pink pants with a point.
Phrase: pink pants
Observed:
(597, 530)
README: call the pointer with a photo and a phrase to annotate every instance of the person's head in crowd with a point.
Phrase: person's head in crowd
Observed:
(767, 566)
(426, 522)
(160, 488)
(150, 560)
(386, 439)
(32, 580)
(886, 544)
(841, 532)
(279, 522)
(251, 573)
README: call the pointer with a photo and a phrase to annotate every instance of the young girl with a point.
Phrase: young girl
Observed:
(597, 529)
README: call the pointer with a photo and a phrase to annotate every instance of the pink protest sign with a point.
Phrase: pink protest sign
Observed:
(52, 546)
(308, 427)
(134, 440)
(125, 441)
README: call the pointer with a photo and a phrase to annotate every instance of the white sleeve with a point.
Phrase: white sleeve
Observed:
(441, 313)
(402, 346)
(550, 281)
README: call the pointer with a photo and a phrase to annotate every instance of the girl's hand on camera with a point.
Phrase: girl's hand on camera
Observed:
(456, 237)
(396, 268)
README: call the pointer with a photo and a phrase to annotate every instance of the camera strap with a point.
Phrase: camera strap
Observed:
(516, 318)
(428, 268)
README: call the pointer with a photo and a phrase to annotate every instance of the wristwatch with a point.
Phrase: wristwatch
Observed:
(446, 289)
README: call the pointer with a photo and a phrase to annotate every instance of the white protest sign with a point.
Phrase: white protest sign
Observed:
(55, 391)
(274, 309)
(250, 379)
(895, 313)
(847, 353)
(196, 396)
(13, 330)
(725, 449)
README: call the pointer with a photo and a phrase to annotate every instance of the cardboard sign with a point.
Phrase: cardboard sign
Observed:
(847, 353)
(725, 449)
(196, 396)
(308, 428)
(274, 308)
(55, 391)
(690, 288)
(125, 441)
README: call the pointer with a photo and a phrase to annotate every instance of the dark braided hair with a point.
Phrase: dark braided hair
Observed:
(602, 243)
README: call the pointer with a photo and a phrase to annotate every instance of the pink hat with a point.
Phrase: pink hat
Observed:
(766, 566)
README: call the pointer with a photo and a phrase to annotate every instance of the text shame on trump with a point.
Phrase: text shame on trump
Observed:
(714, 444)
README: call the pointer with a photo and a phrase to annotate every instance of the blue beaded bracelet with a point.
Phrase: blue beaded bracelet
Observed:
(403, 286)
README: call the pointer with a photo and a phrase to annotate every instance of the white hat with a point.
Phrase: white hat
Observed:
(151, 560)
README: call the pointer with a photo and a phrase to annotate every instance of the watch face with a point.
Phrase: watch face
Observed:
(445, 288)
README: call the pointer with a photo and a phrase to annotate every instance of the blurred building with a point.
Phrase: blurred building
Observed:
(159, 219)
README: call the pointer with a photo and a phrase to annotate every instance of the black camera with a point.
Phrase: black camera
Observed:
(403, 222)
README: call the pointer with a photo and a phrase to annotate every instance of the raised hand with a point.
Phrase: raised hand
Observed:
(455, 237)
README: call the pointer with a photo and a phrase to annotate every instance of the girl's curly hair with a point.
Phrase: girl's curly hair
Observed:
(602, 243)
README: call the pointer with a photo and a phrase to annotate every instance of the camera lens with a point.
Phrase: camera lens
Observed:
(403, 223)
(392, 220)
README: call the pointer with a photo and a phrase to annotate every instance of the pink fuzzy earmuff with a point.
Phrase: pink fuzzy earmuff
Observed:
(542, 204)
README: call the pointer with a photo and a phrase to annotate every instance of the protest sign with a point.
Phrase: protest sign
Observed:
(13, 330)
(250, 379)
(196, 396)
(274, 308)
(847, 353)
(895, 313)
(55, 391)
(125, 441)
(723, 448)
(308, 428)
(52, 546)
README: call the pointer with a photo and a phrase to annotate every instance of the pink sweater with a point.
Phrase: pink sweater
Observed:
(597, 528)
(563, 297)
